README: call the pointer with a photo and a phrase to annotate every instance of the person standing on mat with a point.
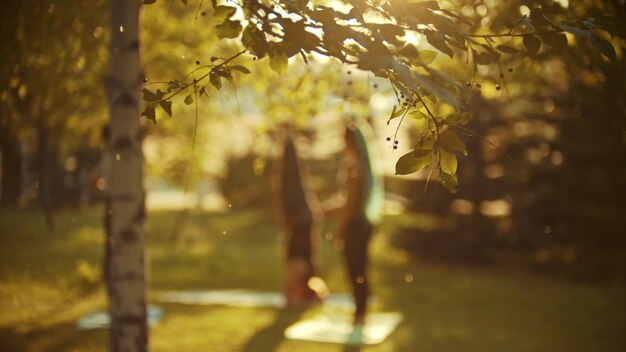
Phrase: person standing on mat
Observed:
(363, 188)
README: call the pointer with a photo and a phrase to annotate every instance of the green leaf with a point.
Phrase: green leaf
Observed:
(421, 5)
(223, 13)
(556, 40)
(482, 58)
(434, 89)
(389, 31)
(215, 80)
(152, 96)
(413, 161)
(444, 78)
(189, 99)
(427, 56)
(167, 106)
(309, 41)
(228, 29)
(450, 182)
(451, 142)
(605, 47)
(418, 114)
(241, 69)
(278, 62)
(538, 19)
(254, 40)
(443, 24)
(580, 34)
(459, 118)
(425, 143)
(149, 113)
(409, 51)
(532, 44)
(324, 14)
(172, 85)
(437, 40)
(431, 4)
(148, 95)
(394, 113)
(224, 73)
(374, 61)
(507, 49)
(296, 37)
(447, 161)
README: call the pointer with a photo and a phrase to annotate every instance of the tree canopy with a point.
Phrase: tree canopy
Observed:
(379, 37)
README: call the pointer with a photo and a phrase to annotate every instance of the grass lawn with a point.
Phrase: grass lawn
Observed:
(48, 280)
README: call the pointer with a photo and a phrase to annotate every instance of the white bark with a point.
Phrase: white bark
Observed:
(125, 192)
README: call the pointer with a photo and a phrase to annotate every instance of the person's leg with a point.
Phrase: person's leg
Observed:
(300, 264)
(356, 257)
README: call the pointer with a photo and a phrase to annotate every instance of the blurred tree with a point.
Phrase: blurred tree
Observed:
(569, 209)
(551, 190)
(51, 52)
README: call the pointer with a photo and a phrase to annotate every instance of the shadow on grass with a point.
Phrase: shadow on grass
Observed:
(60, 337)
(272, 335)
(352, 349)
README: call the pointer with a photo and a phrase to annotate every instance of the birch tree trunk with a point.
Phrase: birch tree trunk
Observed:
(125, 194)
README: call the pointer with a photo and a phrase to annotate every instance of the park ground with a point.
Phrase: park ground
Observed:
(48, 280)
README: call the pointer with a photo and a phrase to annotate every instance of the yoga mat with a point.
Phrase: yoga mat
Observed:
(339, 329)
(101, 320)
(247, 298)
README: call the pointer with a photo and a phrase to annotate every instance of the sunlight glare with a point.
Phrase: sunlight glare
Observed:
(524, 10)
(494, 171)
(495, 208)
(462, 206)
(467, 11)
(319, 286)
(481, 10)
(412, 38)
(564, 3)
(557, 158)
(97, 32)
(101, 184)
(71, 163)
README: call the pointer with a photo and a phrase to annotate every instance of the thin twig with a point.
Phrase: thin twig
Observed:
(430, 173)
(483, 138)
(195, 99)
(185, 86)
(198, 9)
(485, 36)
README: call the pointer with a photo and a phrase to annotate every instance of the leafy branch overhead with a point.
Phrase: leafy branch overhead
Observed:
(373, 36)
(219, 69)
